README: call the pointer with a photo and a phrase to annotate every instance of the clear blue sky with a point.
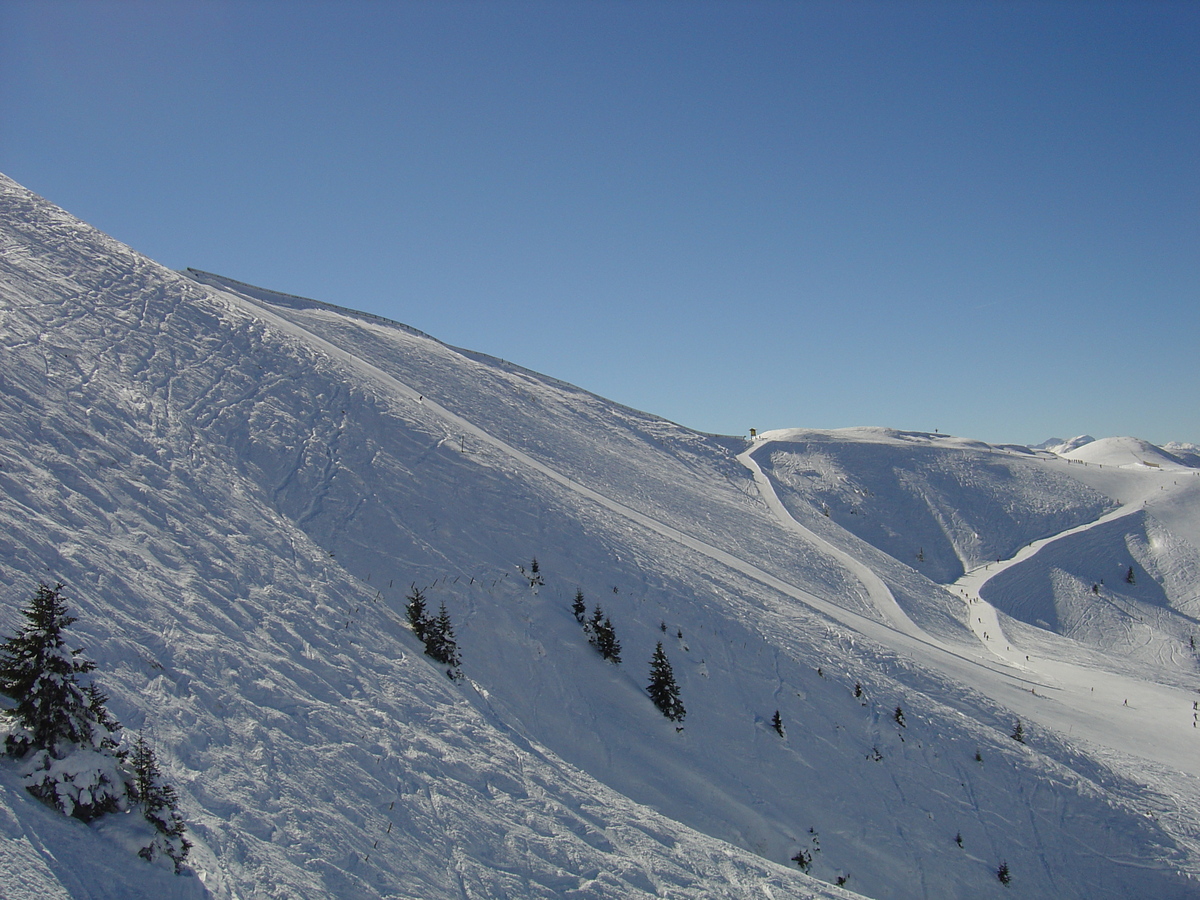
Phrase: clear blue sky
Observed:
(981, 217)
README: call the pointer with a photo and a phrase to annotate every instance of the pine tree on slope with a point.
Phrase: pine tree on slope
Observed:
(593, 625)
(662, 688)
(602, 635)
(63, 732)
(160, 807)
(418, 618)
(439, 640)
(607, 643)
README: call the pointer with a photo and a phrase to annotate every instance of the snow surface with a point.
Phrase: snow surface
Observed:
(238, 488)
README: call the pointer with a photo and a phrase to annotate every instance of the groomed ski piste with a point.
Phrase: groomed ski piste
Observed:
(1056, 670)
(238, 488)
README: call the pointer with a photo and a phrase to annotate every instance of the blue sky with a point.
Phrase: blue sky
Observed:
(977, 217)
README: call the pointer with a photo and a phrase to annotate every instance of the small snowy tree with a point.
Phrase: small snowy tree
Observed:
(777, 723)
(439, 640)
(804, 856)
(662, 688)
(418, 618)
(1018, 732)
(1003, 874)
(534, 575)
(1130, 578)
(160, 807)
(607, 643)
(578, 608)
(594, 623)
(600, 632)
(62, 730)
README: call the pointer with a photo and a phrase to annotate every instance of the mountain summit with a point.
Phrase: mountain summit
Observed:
(242, 493)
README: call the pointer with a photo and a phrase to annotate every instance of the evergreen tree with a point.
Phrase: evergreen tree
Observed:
(898, 715)
(439, 640)
(594, 624)
(1003, 874)
(607, 643)
(418, 618)
(577, 606)
(777, 723)
(1018, 732)
(63, 732)
(662, 688)
(1129, 576)
(804, 856)
(160, 807)
(534, 574)
(599, 630)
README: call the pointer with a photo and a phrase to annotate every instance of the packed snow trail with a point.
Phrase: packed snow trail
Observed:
(1039, 683)
(881, 596)
(982, 615)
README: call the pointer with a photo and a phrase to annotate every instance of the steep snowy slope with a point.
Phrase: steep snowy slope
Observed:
(319, 754)
(239, 487)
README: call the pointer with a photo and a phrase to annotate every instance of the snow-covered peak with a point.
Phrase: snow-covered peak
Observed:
(1061, 448)
(1126, 452)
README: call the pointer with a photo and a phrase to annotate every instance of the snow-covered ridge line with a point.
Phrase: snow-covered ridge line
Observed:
(467, 427)
(222, 282)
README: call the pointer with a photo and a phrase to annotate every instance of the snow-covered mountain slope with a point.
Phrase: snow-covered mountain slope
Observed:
(239, 487)
(1126, 451)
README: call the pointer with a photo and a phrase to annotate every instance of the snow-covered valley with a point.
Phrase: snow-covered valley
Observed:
(238, 488)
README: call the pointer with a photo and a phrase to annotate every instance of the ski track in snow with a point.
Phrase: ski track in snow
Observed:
(1072, 685)
(897, 624)
(983, 616)
(460, 424)
(880, 594)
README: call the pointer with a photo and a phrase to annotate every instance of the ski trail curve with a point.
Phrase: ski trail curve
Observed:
(879, 593)
(982, 615)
